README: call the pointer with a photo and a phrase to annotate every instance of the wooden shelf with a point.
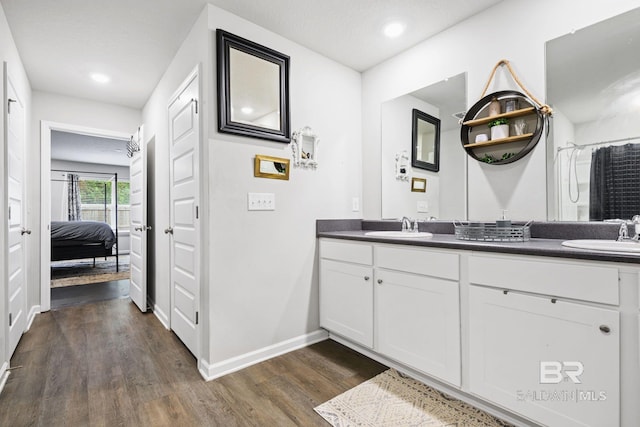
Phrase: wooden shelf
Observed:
(510, 114)
(499, 141)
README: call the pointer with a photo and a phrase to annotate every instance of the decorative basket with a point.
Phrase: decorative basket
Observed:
(490, 232)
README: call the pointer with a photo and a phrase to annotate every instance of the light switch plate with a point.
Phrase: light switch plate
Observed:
(423, 206)
(261, 201)
(355, 204)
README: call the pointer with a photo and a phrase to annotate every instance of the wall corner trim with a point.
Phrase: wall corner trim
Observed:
(161, 315)
(32, 315)
(212, 371)
(4, 374)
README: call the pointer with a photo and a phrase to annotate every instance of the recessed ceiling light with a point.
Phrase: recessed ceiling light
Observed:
(100, 78)
(393, 29)
(247, 110)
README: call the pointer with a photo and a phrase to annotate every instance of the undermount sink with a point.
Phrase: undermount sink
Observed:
(399, 234)
(604, 245)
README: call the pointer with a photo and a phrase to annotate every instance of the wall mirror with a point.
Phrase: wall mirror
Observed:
(271, 167)
(446, 195)
(594, 115)
(425, 141)
(305, 147)
(253, 89)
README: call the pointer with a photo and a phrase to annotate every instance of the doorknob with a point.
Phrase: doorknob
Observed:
(142, 228)
(168, 230)
(25, 231)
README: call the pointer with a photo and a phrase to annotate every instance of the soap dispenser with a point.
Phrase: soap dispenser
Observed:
(504, 222)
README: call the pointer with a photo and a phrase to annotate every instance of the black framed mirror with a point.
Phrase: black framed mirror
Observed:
(253, 89)
(425, 141)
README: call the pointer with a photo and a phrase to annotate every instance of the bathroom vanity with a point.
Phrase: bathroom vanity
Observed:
(532, 331)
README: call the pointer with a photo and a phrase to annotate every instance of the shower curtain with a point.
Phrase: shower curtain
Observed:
(615, 183)
(73, 198)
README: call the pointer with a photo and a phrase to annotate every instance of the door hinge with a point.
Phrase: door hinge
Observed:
(195, 101)
(197, 212)
(9, 101)
(196, 317)
(9, 213)
(10, 319)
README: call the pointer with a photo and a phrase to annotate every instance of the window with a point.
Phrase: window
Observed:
(97, 202)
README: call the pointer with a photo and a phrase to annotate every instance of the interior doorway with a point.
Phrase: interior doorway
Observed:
(89, 177)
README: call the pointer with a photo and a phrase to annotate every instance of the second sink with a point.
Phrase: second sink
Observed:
(604, 245)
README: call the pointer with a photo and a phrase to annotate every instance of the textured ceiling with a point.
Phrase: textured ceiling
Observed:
(61, 42)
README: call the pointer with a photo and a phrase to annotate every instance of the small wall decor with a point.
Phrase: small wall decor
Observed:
(493, 113)
(305, 148)
(402, 166)
(418, 185)
(271, 167)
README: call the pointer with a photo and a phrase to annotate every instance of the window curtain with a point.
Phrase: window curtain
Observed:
(614, 188)
(73, 197)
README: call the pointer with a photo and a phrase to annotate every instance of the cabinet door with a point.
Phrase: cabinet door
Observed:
(556, 363)
(346, 300)
(418, 322)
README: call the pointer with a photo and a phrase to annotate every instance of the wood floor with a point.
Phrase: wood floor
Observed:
(107, 364)
(69, 296)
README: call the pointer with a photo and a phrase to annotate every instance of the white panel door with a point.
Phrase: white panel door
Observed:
(139, 227)
(184, 137)
(17, 295)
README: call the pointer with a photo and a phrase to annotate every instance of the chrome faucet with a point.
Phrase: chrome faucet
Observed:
(623, 232)
(406, 223)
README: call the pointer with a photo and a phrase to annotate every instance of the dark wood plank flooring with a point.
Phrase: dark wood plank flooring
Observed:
(70, 296)
(107, 364)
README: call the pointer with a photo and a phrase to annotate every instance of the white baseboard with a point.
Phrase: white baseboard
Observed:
(438, 385)
(161, 315)
(219, 369)
(32, 315)
(4, 375)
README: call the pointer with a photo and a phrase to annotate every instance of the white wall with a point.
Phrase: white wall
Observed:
(9, 54)
(398, 199)
(263, 283)
(515, 30)
(70, 111)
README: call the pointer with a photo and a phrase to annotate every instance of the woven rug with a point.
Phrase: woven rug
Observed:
(82, 272)
(392, 399)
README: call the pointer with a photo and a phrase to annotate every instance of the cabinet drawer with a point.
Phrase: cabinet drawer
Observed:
(359, 253)
(563, 279)
(420, 261)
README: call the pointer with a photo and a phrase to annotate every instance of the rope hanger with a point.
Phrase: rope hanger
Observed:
(544, 108)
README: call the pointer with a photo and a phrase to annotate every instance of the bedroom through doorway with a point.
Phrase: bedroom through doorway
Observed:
(90, 218)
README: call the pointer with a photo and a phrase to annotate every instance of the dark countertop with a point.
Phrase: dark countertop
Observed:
(443, 238)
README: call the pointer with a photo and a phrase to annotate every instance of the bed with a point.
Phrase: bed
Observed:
(82, 239)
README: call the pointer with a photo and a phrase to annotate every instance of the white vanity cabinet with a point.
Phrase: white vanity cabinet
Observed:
(554, 359)
(417, 309)
(346, 290)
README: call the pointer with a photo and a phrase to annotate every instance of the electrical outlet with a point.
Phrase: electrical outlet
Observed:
(261, 201)
(355, 204)
(423, 206)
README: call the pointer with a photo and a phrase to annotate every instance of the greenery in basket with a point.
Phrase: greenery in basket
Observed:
(490, 159)
(496, 122)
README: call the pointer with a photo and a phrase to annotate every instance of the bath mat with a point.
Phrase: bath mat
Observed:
(392, 399)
